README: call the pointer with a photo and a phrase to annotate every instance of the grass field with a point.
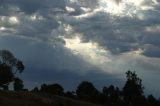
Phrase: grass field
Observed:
(11, 98)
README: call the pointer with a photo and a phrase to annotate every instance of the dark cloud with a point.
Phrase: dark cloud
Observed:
(151, 51)
(46, 56)
(83, 3)
(30, 6)
(119, 35)
(152, 38)
(82, 6)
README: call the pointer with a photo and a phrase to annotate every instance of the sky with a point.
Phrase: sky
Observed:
(68, 41)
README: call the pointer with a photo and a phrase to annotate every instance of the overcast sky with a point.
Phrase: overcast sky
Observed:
(68, 41)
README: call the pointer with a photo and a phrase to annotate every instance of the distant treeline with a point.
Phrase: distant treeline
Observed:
(131, 94)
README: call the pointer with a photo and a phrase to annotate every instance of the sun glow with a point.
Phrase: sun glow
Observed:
(124, 7)
(111, 6)
(89, 51)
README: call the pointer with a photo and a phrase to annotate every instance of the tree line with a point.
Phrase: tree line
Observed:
(132, 93)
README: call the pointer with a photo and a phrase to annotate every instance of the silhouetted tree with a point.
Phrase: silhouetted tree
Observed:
(43, 87)
(70, 94)
(86, 91)
(18, 84)
(55, 89)
(9, 66)
(19, 66)
(111, 95)
(6, 76)
(35, 89)
(151, 101)
(133, 88)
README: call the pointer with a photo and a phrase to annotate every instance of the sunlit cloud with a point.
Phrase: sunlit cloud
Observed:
(13, 20)
(126, 7)
(112, 7)
(35, 17)
(70, 9)
(89, 51)
(3, 28)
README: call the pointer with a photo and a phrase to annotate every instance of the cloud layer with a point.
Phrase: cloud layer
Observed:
(80, 37)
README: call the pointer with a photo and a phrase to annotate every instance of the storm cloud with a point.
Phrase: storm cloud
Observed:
(80, 37)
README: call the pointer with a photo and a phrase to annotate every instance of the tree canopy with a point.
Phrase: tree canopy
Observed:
(133, 86)
(87, 91)
(9, 67)
(18, 84)
(55, 89)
